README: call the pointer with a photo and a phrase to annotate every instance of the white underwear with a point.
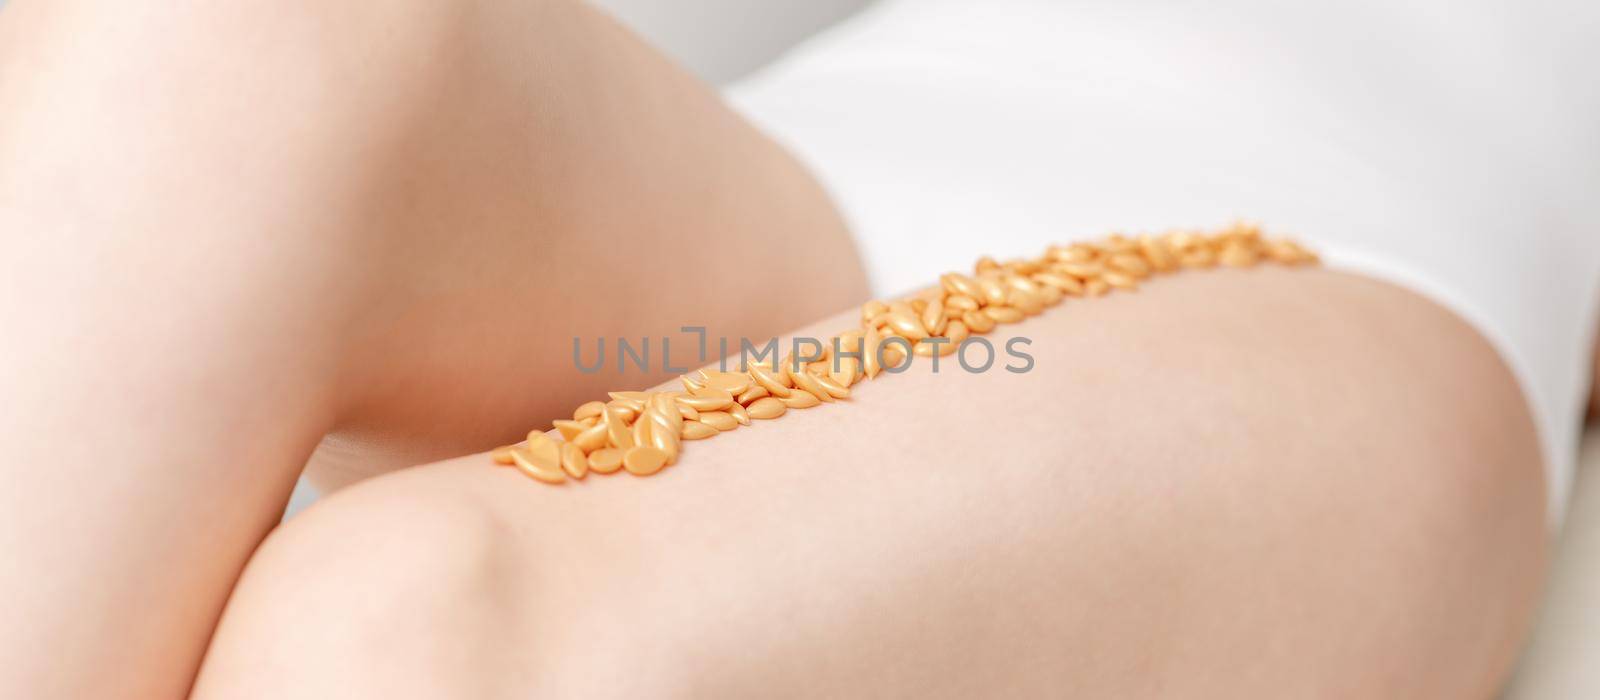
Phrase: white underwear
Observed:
(1034, 121)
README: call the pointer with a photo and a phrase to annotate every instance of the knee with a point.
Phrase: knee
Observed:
(229, 93)
(377, 577)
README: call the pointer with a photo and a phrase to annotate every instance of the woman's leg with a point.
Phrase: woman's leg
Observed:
(229, 229)
(1266, 483)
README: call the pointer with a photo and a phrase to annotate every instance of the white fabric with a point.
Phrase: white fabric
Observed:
(1451, 146)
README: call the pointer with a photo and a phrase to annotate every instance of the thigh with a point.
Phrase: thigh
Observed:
(1232, 484)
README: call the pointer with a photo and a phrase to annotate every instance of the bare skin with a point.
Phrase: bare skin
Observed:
(235, 232)
(1223, 486)
(1594, 392)
(291, 231)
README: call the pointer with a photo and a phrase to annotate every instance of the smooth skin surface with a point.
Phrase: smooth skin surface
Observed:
(240, 237)
(1264, 483)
